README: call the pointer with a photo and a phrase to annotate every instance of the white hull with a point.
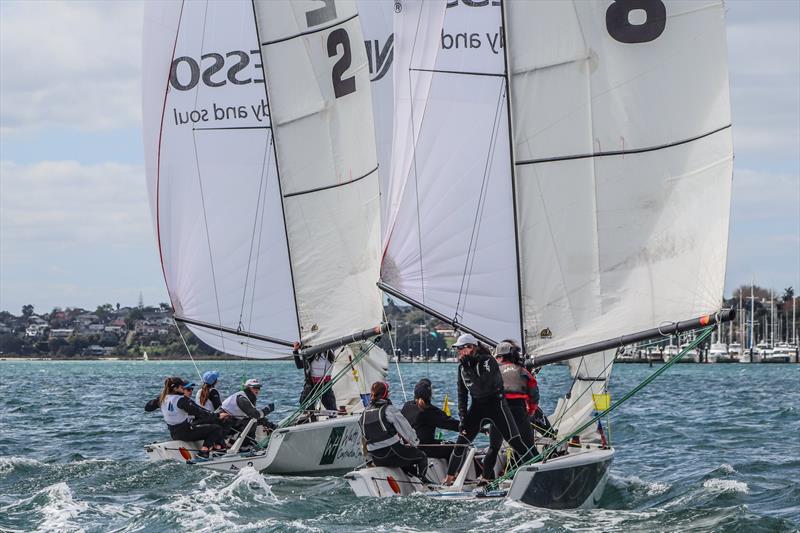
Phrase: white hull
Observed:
(324, 447)
(576, 480)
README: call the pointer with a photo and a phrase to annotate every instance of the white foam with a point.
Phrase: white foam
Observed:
(727, 485)
(651, 488)
(728, 469)
(61, 507)
(7, 464)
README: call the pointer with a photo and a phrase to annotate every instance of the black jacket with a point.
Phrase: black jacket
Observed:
(425, 421)
(479, 376)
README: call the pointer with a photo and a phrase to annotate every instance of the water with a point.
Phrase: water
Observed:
(703, 448)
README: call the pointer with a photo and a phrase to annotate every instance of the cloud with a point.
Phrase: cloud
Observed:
(75, 64)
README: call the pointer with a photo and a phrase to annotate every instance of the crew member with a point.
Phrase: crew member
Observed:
(185, 419)
(425, 418)
(317, 369)
(208, 396)
(522, 394)
(382, 427)
(479, 377)
(242, 406)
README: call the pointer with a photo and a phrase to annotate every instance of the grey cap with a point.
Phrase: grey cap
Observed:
(504, 348)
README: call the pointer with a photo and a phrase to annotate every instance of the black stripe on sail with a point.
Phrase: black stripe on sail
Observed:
(309, 32)
(232, 331)
(235, 128)
(298, 193)
(620, 152)
(462, 72)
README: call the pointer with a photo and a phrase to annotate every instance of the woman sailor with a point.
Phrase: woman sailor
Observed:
(317, 369)
(426, 418)
(242, 406)
(382, 426)
(208, 396)
(185, 419)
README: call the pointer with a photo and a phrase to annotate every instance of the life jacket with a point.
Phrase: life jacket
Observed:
(515, 381)
(230, 406)
(375, 426)
(173, 415)
(208, 406)
(320, 368)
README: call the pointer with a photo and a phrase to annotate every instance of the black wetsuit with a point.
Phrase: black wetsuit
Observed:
(206, 426)
(247, 404)
(425, 422)
(479, 377)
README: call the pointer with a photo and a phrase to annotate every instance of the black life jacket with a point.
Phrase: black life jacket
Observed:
(374, 424)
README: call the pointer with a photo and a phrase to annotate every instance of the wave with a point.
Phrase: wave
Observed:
(8, 464)
(726, 485)
(637, 484)
(55, 504)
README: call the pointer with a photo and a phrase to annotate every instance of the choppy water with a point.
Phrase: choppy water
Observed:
(704, 448)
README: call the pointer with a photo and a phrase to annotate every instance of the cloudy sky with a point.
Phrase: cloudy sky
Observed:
(75, 228)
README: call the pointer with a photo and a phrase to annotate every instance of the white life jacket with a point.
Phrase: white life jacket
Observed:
(320, 366)
(229, 405)
(208, 406)
(173, 415)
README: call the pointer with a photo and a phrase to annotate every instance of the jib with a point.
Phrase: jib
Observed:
(185, 73)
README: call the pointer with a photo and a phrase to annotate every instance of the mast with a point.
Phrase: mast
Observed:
(752, 319)
(522, 336)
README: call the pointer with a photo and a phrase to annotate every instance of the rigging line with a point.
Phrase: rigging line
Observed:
(309, 32)
(621, 152)
(513, 173)
(187, 348)
(465, 73)
(335, 185)
(393, 345)
(202, 45)
(234, 127)
(476, 223)
(263, 185)
(208, 236)
(278, 176)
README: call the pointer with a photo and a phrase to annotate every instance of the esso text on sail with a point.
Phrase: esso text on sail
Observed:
(216, 69)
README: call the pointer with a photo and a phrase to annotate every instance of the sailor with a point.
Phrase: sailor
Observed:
(479, 377)
(522, 394)
(242, 407)
(208, 396)
(538, 419)
(382, 427)
(185, 419)
(317, 369)
(425, 418)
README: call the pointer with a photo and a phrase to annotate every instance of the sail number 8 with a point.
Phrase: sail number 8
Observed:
(339, 37)
(623, 29)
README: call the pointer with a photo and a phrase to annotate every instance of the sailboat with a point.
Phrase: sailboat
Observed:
(571, 192)
(262, 176)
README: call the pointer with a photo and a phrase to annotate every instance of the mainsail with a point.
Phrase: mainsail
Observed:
(593, 199)
(262, 171)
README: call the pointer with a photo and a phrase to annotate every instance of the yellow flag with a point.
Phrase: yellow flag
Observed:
(446, 406)
(601, 401)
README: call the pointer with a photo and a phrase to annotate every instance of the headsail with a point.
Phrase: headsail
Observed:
(264, 240)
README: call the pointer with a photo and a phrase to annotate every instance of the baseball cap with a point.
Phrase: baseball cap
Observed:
(253, 382)
(188, 385)
(503, 348)
(465, 339)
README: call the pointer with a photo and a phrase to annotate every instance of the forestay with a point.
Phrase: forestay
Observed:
(280, 242)
(623, 163)
(450, 243)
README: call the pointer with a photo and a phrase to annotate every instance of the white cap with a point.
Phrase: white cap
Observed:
(253, 382)
(465, 339)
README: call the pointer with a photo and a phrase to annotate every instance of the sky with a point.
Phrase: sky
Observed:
(75, 225)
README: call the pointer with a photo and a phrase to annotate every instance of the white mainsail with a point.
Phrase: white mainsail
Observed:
(615, 217)
(267, 212)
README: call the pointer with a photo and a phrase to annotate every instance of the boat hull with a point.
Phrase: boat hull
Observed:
(574, 481)
(324, 447)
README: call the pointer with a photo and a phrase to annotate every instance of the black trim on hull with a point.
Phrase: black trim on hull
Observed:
(565, 488)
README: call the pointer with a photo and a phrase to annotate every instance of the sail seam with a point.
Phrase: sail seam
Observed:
(309, 32)
(621, 152)
(335, 185)
(223, 329)
(234, 128)
(462, 72)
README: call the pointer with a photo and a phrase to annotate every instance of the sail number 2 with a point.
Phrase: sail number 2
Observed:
(339, 37)
(623, 30)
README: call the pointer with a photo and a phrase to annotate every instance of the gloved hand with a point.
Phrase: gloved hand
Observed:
(271, 407)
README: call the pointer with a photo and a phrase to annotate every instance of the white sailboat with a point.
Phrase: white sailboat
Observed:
(262, 174)
(551, 193)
